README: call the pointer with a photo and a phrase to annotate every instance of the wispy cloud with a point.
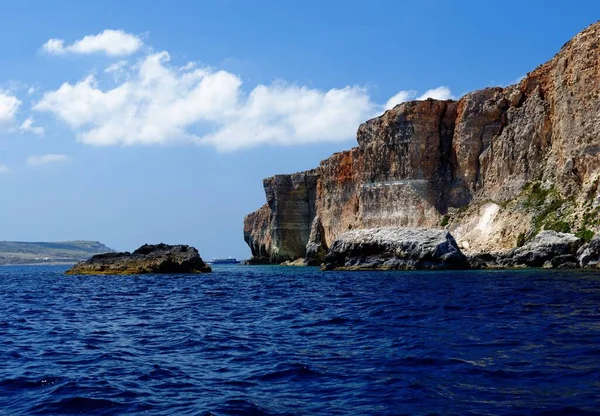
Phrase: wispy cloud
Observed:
(28, 127)
(110, 42)
(4, 169)
(37, 160)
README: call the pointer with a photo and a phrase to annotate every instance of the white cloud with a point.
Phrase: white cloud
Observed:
(401, 97)
(154, 102)
(110, 42)
(4, 169)
(9, 105)
(439, 93)
(37, 160)
(116, 67)
(160, 104)
(27, 126)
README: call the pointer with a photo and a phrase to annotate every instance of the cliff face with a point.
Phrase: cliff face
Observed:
(495, 167)
(280, 230)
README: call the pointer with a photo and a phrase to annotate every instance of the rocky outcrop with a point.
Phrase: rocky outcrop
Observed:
(316, 249)
(494, 168)
(280, 230)
(159, 258)
(548, 249)
(392, 248)
(296, 263)
(589, 254)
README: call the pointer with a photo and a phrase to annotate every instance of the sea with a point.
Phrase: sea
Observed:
(260, 340)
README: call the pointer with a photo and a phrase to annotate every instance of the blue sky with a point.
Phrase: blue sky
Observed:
(134, 122)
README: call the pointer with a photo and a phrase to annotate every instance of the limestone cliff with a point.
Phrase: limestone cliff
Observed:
(495, 167)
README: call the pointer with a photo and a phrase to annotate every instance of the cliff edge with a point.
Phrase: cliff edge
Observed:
(494, 168)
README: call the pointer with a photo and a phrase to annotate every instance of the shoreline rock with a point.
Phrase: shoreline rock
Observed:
(395, 248)
(549, 249)
(295, 263)
(148, 259)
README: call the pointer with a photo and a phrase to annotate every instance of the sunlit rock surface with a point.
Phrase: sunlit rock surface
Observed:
(495, 167)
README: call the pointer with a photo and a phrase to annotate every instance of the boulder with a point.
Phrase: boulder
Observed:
(589, 254)
(392, 248)
(159, 258)
(548, 249)
(297, 262)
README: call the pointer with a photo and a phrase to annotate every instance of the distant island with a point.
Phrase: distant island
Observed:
(67, 252)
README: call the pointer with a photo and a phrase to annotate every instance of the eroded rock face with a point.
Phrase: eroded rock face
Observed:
(549, 249)
(159, 258)
(392, 248)
(280, 230)
(495, 167)
(316, 249)
(547, 246)
(589, 254)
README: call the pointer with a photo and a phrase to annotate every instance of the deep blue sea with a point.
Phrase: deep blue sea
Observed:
(298, 341)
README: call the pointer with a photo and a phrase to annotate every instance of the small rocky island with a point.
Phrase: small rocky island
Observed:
(157, 258)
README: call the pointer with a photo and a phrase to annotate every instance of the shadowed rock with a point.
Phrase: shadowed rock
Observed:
(159, 259)
(545, 247)
(589, 254)
(395, 249)
(549, 249)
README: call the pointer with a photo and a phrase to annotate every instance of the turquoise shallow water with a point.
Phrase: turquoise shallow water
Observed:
(275, 341)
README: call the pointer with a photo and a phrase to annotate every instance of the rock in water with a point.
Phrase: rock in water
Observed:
(548, 249)
(296, 263)
(159, 258)
(589, 254)
(392, 248)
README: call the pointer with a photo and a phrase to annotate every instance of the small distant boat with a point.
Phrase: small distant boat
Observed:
(228, 260)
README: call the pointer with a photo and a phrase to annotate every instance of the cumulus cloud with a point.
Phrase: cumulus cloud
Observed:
(28, 127)
(9, 105)
(37, 160)
(159, 103)
(152, 101)
(110, 42)
(439, 93)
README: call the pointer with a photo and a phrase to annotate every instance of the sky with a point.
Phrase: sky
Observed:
(143, 122)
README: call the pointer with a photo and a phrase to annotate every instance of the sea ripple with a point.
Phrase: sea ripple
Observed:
(286, 341)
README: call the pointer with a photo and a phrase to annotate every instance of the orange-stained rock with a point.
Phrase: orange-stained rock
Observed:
(494, 167)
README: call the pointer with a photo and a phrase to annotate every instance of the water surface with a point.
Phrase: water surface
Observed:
(278, 341)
